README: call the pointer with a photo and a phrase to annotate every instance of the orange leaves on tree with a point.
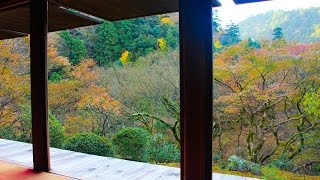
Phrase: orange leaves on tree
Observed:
(86, 71)
(98, 99)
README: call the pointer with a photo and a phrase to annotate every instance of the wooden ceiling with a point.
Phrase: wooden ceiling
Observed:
(18, 19)
(113, 10)
(15, 18)
(6, 34)
(65, 14)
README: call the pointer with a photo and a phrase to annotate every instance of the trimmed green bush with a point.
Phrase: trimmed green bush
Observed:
(89, 143)
(160, 150)
(56, 132)
(130, 143)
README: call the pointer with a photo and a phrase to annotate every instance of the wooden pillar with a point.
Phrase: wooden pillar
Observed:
(39, 84)
(195, 20)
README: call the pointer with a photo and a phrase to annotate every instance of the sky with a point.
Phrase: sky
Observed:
(236, 13)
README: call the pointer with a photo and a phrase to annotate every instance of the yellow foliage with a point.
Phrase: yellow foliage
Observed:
(162, 44)
(124, 57)
(77, 124)
(217, 44)
(166, 21)
(14, 81)
(64, 93)
(316, 31)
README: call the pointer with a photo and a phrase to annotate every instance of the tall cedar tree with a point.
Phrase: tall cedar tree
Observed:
(73, 47)
(107, 49)
(231, 35)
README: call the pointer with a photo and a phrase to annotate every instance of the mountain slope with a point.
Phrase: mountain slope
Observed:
(301, 25)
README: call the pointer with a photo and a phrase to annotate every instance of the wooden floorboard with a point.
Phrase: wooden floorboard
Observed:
(85, 166)
(10, 171)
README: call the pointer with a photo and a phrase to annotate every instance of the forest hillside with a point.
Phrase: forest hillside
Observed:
(302, 25)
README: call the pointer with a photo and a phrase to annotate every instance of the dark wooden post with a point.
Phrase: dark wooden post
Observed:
(196, 88)
(39, 84)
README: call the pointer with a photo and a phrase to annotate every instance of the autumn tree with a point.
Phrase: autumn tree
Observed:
(14, 83)
(148, 91)
(261, 95)
(101, 107)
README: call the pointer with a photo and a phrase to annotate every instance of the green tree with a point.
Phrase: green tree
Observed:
(231, 35)
(72, 47)
(253, 44)
(56, 132)
(107, 48)
(277, 34)
(216, 24)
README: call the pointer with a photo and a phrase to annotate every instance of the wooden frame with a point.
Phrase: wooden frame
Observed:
(196, 76)
(39, 84)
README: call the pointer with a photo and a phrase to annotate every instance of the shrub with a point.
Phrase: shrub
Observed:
(89, 143)
(130, 143)
(282, 163)
(55, 77)
(242, 165)
(7, 133)
(160, 150)
(223, 164)
(215, 157)
(56, 132)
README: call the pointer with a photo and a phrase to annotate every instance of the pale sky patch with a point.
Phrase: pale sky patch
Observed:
(230, 12)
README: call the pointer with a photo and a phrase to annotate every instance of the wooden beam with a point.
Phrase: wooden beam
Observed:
(12, 4)
(7, 34)
(248, 1)
(39, 84)
(195, 20)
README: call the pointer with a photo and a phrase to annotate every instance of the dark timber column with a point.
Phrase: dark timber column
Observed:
(39, 82)
(196, 88)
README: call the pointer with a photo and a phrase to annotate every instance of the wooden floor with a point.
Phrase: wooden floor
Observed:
(17, 172)
(84, 166)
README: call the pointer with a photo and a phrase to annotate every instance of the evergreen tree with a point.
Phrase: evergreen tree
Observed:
(172, 37)
(253, 44)
(107, 49)
(106, 42)
(277, 33)
(215, 22)
(231, 35)
(72, 47)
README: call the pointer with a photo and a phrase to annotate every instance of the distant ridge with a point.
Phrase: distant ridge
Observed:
(301, 25)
